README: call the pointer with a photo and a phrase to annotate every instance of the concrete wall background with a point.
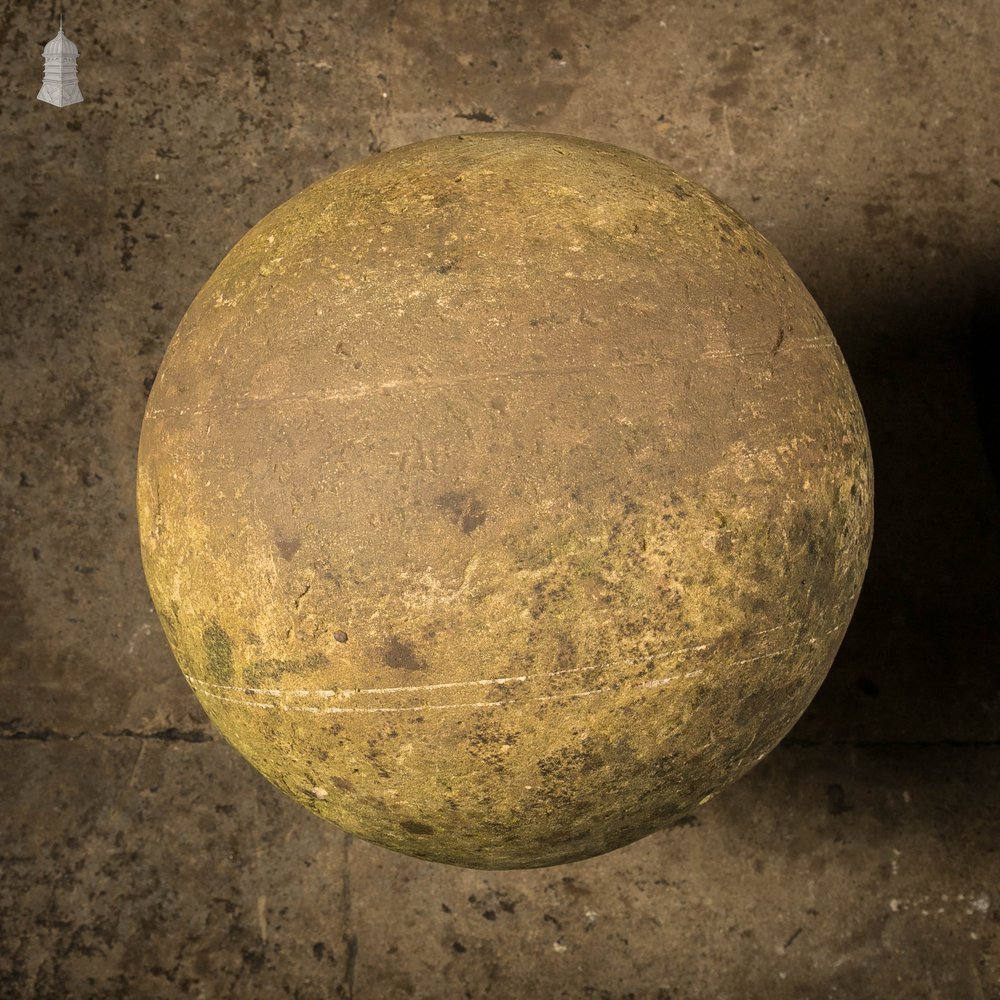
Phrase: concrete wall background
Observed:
(141, 856)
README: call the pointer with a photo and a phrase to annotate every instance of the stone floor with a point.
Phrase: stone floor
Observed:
(142, 857)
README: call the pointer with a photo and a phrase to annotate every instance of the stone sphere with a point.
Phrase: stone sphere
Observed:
(503, 497)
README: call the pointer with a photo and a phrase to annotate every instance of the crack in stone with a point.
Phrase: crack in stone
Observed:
(14, 730)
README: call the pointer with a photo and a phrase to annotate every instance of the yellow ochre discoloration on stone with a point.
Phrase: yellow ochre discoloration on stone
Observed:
(504, 496)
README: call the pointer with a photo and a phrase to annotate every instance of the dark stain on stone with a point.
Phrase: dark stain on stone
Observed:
(260, 671)
(374, 757)
(13, 607)
(736, 69)
(566, 653)
(342, 783)
(753, 707)
(262, 68)
(836, 801)
(728, 93)
(801, 530)
(218, 653)
(465, 510)
(400, 655)
(287, 547)
(254, 960)
(874, 210)
(128, 244)
(688, 821)
(419, 829)
(477, 115)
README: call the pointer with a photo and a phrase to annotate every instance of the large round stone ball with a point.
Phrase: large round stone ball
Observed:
(503, 497)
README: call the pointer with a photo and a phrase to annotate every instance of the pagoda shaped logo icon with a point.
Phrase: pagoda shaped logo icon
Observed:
(60, 86)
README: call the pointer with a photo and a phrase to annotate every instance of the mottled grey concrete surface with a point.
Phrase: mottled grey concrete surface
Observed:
(141, 856)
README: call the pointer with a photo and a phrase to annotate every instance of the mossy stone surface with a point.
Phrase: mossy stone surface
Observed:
(503, 497)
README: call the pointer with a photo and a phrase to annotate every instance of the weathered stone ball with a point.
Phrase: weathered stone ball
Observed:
(503, 497)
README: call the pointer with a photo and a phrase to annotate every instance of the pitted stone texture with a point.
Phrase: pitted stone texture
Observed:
(503, 497)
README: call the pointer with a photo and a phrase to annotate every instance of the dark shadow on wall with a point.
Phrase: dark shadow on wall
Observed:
(919, 662)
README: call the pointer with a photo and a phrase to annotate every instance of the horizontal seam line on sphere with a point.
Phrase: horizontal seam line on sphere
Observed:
(330, 710)
(350, 692)
(204, 688)
(360, 391)
(345, 693)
